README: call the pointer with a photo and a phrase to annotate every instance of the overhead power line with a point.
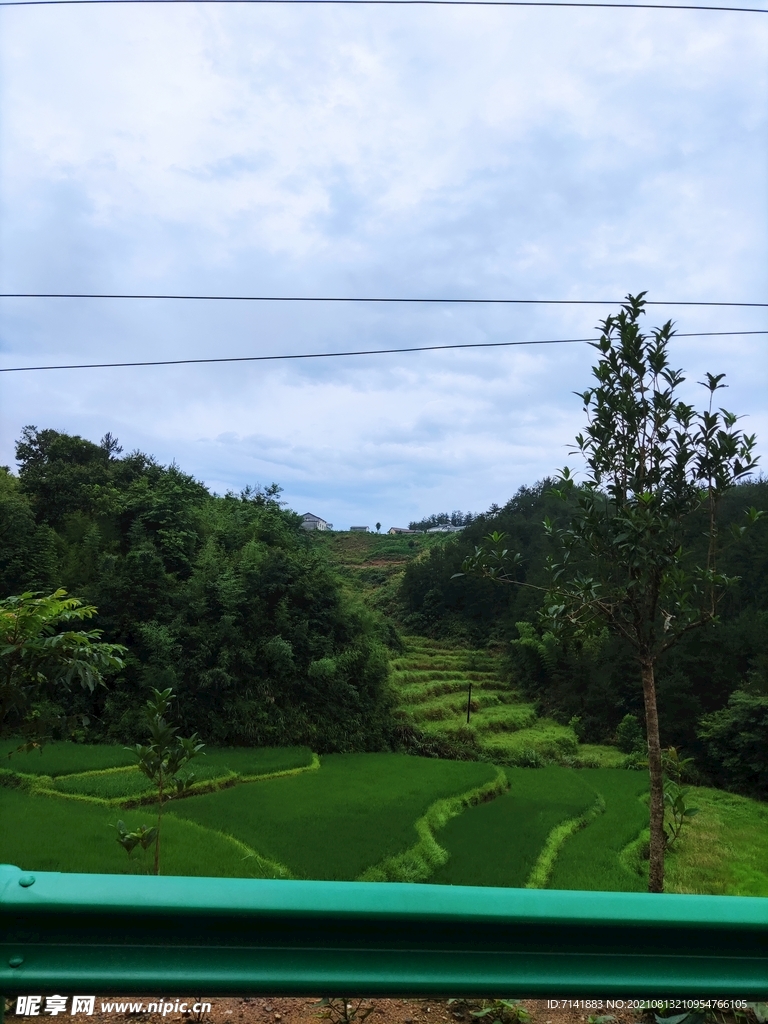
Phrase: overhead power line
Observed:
(427, 3)
(345, 298)
(336, 355)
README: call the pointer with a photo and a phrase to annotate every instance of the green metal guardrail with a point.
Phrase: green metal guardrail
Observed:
(129, 934)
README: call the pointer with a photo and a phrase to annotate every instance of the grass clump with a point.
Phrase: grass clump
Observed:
(358, 810)
(499, 718)
(547, 739)
(499, 843)
(589, 859)
(723, 850)
(602, 756)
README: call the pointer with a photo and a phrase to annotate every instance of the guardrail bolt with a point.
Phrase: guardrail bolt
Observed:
(27, 880)
(16, 961)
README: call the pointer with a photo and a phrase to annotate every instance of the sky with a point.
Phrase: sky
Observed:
(328, 150)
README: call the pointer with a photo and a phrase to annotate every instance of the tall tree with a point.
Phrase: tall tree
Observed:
(652, 463)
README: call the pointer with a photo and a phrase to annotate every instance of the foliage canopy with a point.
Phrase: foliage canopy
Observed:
(221, 598)
(40, 657)
(652, 462)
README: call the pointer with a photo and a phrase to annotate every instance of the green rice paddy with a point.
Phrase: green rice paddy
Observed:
(593, 852)
(60, 758)
(498, 843)
(357, 810)
(224, 763)
(344, 816)
(42, 833)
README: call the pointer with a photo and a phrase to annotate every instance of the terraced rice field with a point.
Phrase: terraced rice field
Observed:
(596, 851)
(437, 684)
(376, 817)
(335, 823)
(283, 812)
(500, 843)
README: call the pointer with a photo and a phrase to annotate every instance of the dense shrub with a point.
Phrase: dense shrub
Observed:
(221, 598)
(735, 744)
(629, 735)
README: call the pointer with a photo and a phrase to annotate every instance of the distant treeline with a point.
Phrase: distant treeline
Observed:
(443, 519)
(599, 686)
(222, 598)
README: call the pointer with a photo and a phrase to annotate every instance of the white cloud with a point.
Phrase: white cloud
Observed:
(301, 150)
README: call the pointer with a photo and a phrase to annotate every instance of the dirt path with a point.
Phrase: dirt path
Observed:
(280, 1010)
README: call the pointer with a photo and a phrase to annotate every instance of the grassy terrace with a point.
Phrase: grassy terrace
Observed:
(372, 564)
(432, 682)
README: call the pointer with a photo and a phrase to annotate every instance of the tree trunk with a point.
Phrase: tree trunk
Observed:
(159, 822)
(656, 865)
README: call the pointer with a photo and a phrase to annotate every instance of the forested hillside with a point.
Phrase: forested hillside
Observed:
(272, 636)
(599, 686)
(222, 598)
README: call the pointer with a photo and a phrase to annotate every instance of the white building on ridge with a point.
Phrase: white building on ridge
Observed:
(313, 522)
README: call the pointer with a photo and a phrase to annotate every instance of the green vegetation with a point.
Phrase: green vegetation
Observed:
(355, 812)
(599, 684)
(629, 735)
(63, 758)
(248, 762)
(597, 755)
(117, 785)
(418, 862)
(724, 849)
(589, 859)
(41, 655)
(735, 743)
(223, 599)
(499, 843)
(45, 834)
(376, 816)
(358, 813)
(122, 784)
(280, 643)
(162, 760)
(372, 566)
(431, 681)
(653, 466)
